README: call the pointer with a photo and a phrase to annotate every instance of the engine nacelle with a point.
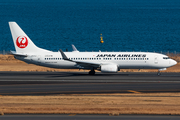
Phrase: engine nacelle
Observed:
(109, 68)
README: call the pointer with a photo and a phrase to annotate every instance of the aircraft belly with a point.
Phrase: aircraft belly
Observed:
(134, 65)
(59, 64)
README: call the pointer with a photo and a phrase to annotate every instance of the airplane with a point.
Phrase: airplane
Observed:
(106, 62)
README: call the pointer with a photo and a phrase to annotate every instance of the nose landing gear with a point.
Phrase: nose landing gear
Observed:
(159, 73)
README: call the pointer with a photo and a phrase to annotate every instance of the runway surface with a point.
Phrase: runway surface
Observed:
(89, 117)
(46, 83)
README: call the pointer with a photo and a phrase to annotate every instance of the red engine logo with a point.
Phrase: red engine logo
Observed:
(21, 42)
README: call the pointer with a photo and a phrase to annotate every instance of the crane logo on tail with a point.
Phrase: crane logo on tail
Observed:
(22, 42)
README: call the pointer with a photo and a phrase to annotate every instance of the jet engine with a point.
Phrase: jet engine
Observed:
(109, 68)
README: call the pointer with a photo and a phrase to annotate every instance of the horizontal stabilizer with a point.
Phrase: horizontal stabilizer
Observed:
(18, 54)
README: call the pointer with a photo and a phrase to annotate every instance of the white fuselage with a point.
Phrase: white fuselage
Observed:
(124, 60)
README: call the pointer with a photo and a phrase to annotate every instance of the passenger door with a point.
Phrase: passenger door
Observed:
(156, 59)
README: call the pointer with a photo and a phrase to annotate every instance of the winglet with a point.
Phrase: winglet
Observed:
(74, 48)
(64, 56)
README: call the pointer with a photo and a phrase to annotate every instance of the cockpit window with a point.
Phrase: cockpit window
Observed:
(166, 58)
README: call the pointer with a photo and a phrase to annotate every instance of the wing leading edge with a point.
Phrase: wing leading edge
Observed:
(81, 63)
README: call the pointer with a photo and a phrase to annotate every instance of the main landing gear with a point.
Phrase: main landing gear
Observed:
(92, 72)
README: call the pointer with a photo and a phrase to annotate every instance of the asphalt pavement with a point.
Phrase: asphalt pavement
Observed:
(46, 83)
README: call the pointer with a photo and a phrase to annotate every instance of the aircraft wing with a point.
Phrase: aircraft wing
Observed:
(80, 63)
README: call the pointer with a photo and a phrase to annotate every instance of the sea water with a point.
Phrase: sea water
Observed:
(126, 25)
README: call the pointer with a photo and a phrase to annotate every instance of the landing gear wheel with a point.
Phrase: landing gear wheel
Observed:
(92, 72)
(158, 73)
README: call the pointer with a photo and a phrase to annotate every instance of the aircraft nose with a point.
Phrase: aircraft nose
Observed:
(173, 62)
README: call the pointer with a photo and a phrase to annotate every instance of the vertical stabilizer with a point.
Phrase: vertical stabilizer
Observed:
(22, 42)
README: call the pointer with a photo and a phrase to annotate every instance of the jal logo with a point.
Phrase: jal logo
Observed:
(22, 42)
